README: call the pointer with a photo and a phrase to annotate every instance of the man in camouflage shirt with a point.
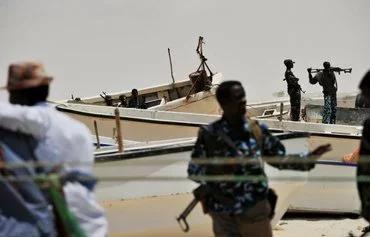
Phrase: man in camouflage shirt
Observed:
(294, 90)
(247, 214)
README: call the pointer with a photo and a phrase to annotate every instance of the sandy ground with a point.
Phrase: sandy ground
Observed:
(129, 215)
(319, 225)
(289, 227)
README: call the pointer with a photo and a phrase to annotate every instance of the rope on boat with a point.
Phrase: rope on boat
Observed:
(101, 167)
(209, 178)
(201, 161)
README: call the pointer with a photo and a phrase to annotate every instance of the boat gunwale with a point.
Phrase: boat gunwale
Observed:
(141, 152)
(135, 119)
(195, 124)
(144, 91)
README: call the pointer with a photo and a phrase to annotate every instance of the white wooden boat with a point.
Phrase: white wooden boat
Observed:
(177, 97)
(344, 140)
(272, 108)
(145, 199)
(331, 185)
(144, 125)
(346, 100)
(331, 188)
(138, 125)
(345, 116)
(269, 108)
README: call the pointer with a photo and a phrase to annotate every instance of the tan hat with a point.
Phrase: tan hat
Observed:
(24, 75)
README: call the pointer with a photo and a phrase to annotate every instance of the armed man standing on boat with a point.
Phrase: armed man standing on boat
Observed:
(60, 139)
(328, 81)
(241, 208)
(294, 90)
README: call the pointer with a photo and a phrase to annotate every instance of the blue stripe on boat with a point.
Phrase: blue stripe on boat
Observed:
(335, 163)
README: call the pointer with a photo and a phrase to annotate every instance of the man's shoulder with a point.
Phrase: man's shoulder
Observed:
(260, 125)
(218, 124)
(68, 123)
(213, 126)
(209, 130)
(289, 74)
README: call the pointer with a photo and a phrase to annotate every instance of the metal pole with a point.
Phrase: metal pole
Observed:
(281, 111)
(119, 133)
(169, 55)
(97, 135)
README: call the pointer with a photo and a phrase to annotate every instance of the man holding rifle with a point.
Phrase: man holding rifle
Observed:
(240, 207)
(294, 90)
(328, 81)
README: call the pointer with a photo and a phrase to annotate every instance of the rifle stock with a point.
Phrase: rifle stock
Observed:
(199, 193)
(182, 217)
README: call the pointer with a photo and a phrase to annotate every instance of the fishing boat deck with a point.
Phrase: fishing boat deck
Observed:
(152, 95)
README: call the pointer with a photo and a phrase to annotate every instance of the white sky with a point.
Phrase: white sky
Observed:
(112, 45)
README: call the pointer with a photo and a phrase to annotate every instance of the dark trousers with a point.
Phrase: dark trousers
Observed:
(253, 223)
(295, 105)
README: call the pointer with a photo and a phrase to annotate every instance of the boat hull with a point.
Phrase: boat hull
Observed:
(136, 129)
(345, 116)
(167, 125)
(151, 204)
(331, 188)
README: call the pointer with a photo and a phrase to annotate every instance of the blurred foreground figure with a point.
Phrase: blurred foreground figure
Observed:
(60, 139)
(363, 166)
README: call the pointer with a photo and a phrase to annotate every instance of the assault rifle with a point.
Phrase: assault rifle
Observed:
(200, 194)
(107, 98)
(204, 191)
(333, 69)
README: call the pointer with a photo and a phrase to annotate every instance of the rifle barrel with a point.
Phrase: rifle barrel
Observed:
(334, 69)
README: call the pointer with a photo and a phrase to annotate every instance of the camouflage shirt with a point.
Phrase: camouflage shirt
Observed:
(244, 193)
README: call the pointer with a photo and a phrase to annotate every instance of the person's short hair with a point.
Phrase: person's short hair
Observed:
(365, 82)
(134, 91)
(326, 65)
(224, 90)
